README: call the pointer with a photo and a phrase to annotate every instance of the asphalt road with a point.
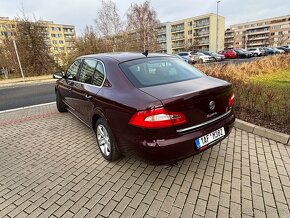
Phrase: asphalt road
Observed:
(21, 96)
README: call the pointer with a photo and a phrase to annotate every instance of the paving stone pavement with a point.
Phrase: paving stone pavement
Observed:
(50, 167)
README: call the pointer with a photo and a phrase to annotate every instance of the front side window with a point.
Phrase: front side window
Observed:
(158, 71)
(99, 75)
(73, 70)
(87, 71)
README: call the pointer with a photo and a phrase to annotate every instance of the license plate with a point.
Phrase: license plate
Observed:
(207, 139)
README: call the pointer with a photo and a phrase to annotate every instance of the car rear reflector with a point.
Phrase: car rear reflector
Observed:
(231, 100)
(157, 118)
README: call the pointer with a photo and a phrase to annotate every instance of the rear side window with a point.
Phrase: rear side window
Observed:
(158, 71)
(182, 54)
(87, 71)
(99, 75)
(73, 69)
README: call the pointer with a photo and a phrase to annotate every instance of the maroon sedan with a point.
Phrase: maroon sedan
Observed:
(155, 106)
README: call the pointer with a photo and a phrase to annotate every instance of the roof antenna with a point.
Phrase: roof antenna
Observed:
(145, 53)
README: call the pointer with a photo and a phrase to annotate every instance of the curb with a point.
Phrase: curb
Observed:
(264, 132)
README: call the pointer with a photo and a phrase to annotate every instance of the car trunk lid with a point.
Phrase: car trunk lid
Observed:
(200, 100)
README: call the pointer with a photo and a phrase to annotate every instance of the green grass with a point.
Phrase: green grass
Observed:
(279, 79)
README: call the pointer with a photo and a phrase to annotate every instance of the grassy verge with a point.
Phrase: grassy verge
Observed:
(43, 78)
(279, 79)
(262, 90)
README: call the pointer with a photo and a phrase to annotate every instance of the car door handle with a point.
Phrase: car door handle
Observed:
(88, 96)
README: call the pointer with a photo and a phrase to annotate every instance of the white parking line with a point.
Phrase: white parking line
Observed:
(21, 108)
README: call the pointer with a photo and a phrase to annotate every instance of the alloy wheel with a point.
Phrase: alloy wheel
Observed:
(104, 140)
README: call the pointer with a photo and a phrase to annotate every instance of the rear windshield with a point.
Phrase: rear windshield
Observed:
(158, 71)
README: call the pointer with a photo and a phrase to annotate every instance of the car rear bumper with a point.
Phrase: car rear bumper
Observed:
(174, 148)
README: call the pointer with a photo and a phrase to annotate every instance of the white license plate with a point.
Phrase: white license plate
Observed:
(206, 139)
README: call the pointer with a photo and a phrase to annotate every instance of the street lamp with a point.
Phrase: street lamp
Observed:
(217, 24)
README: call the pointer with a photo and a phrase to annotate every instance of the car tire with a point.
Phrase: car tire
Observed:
(61, 107)
(106, 142)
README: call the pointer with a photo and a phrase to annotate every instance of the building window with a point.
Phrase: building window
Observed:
(280, 33)
(189, 32)
(190, 23)
(272, 34)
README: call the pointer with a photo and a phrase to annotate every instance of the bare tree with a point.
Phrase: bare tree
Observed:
(282, 39)
(108, 22)
(33, 47)
(142, 20)
(88, 43)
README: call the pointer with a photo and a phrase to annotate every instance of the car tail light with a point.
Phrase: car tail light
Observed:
(190, 56)
(231, 100)
(157, 118)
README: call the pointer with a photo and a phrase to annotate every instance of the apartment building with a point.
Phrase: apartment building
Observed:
(59, 37)
(195, 33)
(270, 32)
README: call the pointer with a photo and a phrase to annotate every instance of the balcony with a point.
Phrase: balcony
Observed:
(257, 38)
(203, 42)
(181, 45)
(229, 36)
(199, 34)
(161, 40)
(177, 38)
(258, 32)
(161, 32)
(173, 30)
(262, 43)
(201, 25)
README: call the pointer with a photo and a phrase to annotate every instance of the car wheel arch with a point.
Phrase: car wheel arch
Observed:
(98, 114)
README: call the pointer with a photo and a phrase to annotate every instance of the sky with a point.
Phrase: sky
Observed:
(83, 12)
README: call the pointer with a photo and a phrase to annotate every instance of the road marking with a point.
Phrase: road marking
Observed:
(21, 108)
(21, 120)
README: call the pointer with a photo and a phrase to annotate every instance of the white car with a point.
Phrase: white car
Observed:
(278, 51)
(204, 58)
(257, 52)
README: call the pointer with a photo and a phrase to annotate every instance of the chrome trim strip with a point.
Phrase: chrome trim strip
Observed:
(205, 123)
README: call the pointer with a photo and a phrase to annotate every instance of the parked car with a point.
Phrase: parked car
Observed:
(269, 51)
(189, 57)
(248, 53)
(242, 54)
(216, 56)
(278, 51)
(229, 54)
(153, 105)
(204, 58)
(257, 52)
(286, 50)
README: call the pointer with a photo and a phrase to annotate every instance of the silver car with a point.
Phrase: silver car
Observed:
(257, 52)
(189, 57)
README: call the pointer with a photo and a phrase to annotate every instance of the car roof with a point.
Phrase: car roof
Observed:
(123, 56)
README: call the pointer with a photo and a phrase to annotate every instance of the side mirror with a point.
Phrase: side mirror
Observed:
(58, 75)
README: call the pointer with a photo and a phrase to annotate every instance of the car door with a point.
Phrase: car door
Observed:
(65, 87)
(81, 100)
